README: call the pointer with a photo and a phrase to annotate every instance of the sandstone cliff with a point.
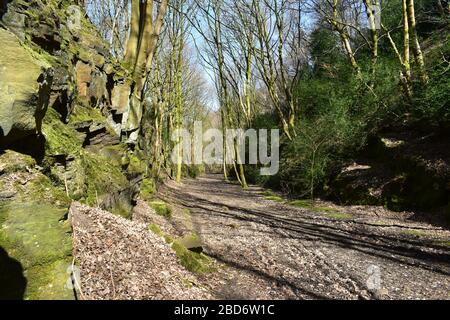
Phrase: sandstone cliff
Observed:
(61, 112)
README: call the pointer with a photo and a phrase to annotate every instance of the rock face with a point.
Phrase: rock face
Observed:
(61, 109)
(24, 90)
(33, 232)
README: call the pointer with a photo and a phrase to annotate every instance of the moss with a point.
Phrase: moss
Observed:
(49, 281)
(43, 57)
(274, 198)
(187, 283)
(35, 234)
(38, 237)
(270, 195)
(302, 203)
(123, 209)
(156, 230)
(101, 176)
(115, 153)
(60, 138)
(42, 187)
(443, 243)
(192, 261)
(136, 165)
(192, 242)
(267, 193)
(84, 55)
(148, 189)
(310, 205)
(161, 208)
(11, 161)
(415, 233)
(83, 114)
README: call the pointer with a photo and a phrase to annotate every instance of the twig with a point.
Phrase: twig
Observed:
(111, 275)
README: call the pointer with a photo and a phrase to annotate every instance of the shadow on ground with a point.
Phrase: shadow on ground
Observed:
(12, 281)
(362, 236)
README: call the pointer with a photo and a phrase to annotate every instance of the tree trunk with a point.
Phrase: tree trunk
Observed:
(416, 45)
(139, 56)
(370, 10)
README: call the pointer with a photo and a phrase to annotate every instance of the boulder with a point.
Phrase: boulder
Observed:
(192, 243)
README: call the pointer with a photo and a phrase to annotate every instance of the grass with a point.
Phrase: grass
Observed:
(415, 233)
(270, 195)
(274, 198)
(443, 243)
(309, 204)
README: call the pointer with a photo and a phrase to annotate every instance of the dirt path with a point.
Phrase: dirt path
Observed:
(271, 250)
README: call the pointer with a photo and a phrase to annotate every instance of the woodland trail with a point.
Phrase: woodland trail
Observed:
(272, 250)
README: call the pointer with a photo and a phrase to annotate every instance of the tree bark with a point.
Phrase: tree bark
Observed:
(416, 45)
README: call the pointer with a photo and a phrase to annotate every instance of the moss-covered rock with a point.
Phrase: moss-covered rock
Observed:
(136, 165)
(35, 233)
(161, 208)
(13, 161)
(192, 242)
(61, 139)
(148, 189)
(192, 260)
(79, 155)
(24, 90)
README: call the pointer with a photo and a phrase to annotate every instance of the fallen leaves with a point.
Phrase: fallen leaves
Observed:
(122, 259)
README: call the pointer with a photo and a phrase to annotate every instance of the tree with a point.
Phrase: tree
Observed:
(140, 50)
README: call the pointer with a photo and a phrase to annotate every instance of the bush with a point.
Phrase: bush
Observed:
(194, 171)
(336, 118)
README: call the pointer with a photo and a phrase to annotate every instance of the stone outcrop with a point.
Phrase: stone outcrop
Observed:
(62, 104)
(24, 89)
